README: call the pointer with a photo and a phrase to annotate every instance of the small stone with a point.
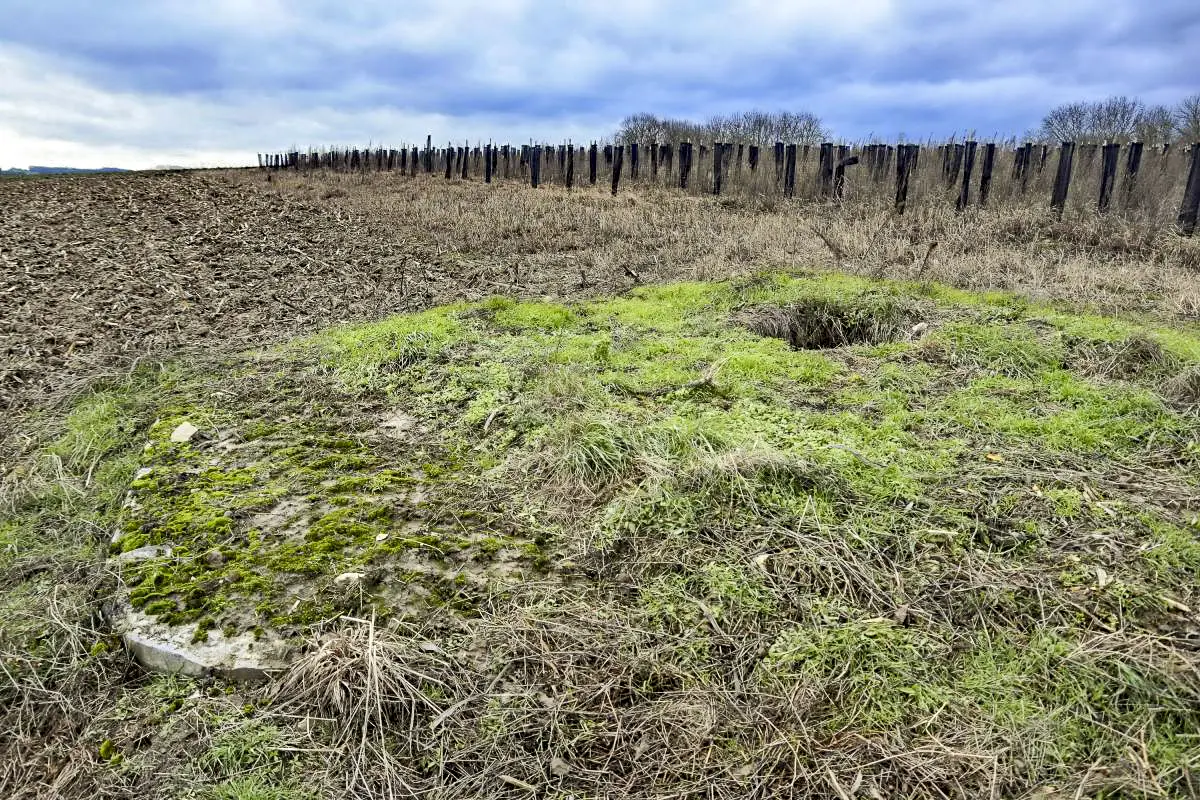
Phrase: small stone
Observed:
(381, 537)
(184, 433)
(349, 578)
(144, 472)
(919, 329)
(214, 558)
(143, 554)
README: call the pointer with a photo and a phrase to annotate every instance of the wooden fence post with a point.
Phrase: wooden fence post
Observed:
(466, 162)
(1133, 163)
(964, 195)
(753, 157)
(618, 158)
(985, 176)
(592, 158)
(1062, 178)
(570, 166)
(487, 163)
(825, 169)
(608, 155)
(789, 171)
(449, 152)
(1108, 175)
(535, 166)
(718, 163)
(839, 171)
(685, 163)
(906, 159)
(653, 160)
(633, 161)
(1189, 209)
(779, 154)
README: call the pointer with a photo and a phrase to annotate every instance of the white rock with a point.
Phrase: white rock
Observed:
(163, 648)
(143, 554)
(380, 537)
(184, 432)
(143, 472)
(349, 578)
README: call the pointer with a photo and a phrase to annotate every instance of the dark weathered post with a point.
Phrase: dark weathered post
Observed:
(839, 171)
(753, 158)
(449, 153)
(1190, 207)
(570, 166)
(779, 156)
(985, 175)
(562, 159)
(1062, 178)
(618, 158)
(592, 158)
(535, 166)
(956, 153)
(718, 163)
(466, 161)
(653, 160)
(608, 155)
(825, 169)
(964, 195)
(685, 163)
(1108, 175)
(487, 163)
(1026, 163)
(906, 158)
(1133, 163)
(633, 161)
(789, 171)
(1044, 157)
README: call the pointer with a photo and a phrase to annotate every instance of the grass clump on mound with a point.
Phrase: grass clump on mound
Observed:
(808, 535)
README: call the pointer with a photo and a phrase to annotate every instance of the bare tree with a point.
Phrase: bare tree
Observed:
(1156, 125)
(751, 127)
(1187, 119)
(1115, 119)
(641, 127)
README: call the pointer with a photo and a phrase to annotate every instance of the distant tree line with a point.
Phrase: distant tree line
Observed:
(1121, 119)
(1114, 119)
(751, 127)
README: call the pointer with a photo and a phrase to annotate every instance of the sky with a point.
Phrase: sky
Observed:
(145, 83)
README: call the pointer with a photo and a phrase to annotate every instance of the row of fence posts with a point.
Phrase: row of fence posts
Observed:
(958, 162)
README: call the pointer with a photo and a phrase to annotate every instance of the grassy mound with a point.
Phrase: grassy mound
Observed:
(814, 535)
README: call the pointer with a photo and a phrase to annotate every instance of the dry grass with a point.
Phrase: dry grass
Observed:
(551, 241)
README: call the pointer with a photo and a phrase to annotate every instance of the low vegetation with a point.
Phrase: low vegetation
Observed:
(792, 533)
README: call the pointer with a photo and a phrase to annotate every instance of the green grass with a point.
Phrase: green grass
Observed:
(984, 535)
